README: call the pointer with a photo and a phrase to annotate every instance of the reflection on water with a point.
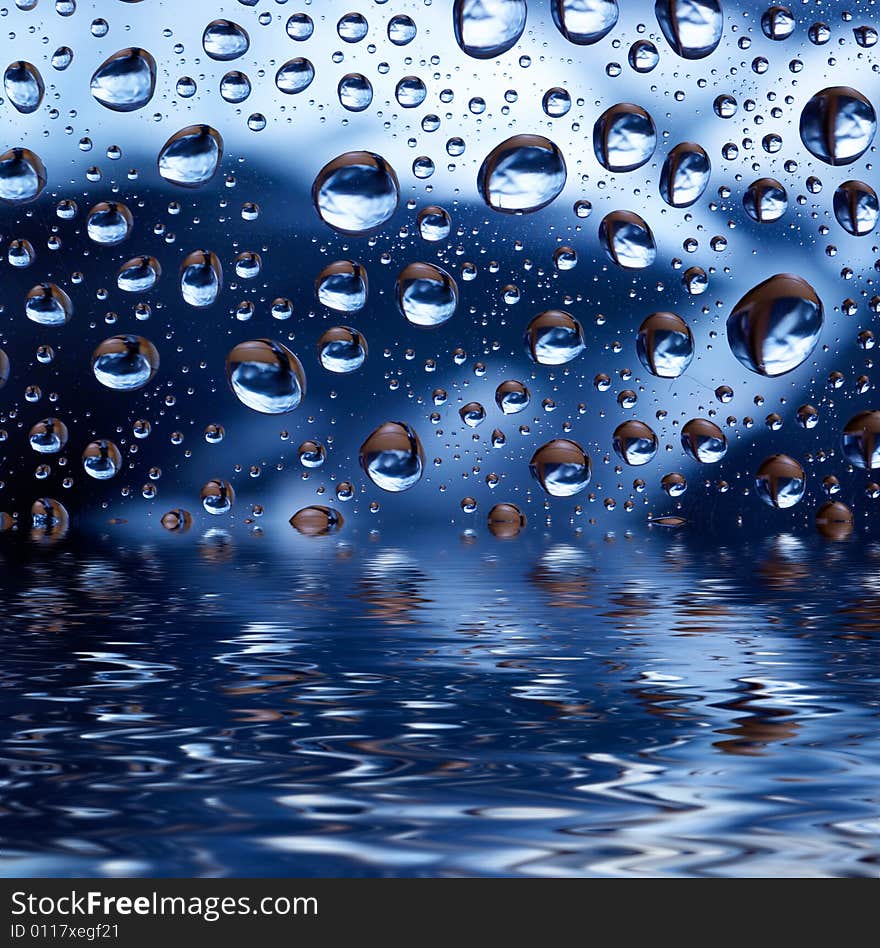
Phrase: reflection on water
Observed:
(226, 705)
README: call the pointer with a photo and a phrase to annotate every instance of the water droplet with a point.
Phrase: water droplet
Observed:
(48, 436)
(316, 521)
(401, 30)
(624, 137)
(217, 497)
(635, 443)
(102, 460)
(506, 521)
(837, 125)
(392, 457)
(556, 102)
(342, 349)
(643, 56)
(49, 517)
(22, 176)
(665, 345)
(777, 23)
(352, 27)
(512, 397)
(266, 376)
(355, 92)
(201, 278)
(125, 363)
(584, 22)
(776, 325)
(834, 520)
(139, 274)
(561, 467)
(426, 294)
(177, 520)
(343, 286)
(861, 440)
(224, 40)
(685, 175)
(434, 224)
(765, 200)
(856, 207)
(356, 193)
(522, 174)
(780, 481)
(554, 337)
(295, 76)
(109, 223)
(472, 414)
(704, 441)
(125, 81)
(485, 29)
(48, 305)
(24, 86)
(191, 156)
(692, 28)
(300, 27)
(235, 87)
(627, 240)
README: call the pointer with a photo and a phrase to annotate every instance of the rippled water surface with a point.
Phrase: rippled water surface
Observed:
(239, 705)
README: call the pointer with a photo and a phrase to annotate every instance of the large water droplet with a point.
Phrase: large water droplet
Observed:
(776, 325)
(692, 28)
(266, 376)
(356, 193)
(126, 80)
(125, 363)
(512, 397)
(665, 345)
(506, 521)
(554, 337)
(635, 443)
(48, 436)
(627, 240)
(343, 286)
(295, 76)
(426, 294)
(838, 124)
(201, 278)
(584, 22)
(780, 481)
(561, 467)
(191, 156)
(102, 460)
(317, 521)
(109, 223)
(765, 200)
(777, 23)
(685, 175)
(624, 137)
(139, 274)
(485, 29)
(834, 520)
(48, 305)
(224, 40)
(861, 440)
(22, 176)
(522, 174)
(856, 207)
(392, 457)
(49, 517)
(704, 441)
(342, 349)
(217, 497)
(24, 86)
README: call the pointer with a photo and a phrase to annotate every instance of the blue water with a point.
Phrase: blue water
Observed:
(243, 705)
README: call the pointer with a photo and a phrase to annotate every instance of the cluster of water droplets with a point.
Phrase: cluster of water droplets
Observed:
(611, 286)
